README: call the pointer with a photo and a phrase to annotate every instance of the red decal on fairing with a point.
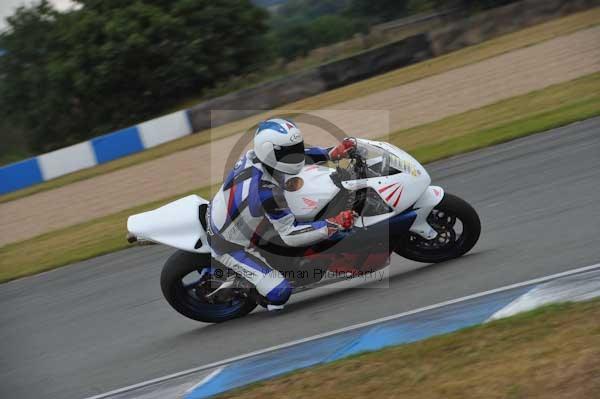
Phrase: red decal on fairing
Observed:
(398, 199)
(309, 202)
(436, 192)
(289, 125)
(382, 189)
(392, 194)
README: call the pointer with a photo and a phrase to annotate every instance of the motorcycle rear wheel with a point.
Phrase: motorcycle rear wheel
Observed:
(185, 298)
(449, 243)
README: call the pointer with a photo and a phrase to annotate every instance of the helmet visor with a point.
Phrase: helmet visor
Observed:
(292, 154)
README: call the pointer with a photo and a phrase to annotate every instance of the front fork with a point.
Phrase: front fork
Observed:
(431, 197)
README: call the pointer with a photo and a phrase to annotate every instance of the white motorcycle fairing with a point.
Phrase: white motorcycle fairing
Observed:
(175, 224)
(316, 193)
(399, 191)
(423, 207)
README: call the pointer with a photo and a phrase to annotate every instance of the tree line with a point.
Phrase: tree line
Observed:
(106, 64)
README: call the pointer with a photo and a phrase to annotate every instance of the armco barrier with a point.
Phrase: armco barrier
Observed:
(273, 94)
(96, 151)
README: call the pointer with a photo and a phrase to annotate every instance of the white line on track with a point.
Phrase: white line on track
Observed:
(341, 330)
(209, 377)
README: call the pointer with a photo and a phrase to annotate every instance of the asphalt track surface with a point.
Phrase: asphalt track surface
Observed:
(102, 324)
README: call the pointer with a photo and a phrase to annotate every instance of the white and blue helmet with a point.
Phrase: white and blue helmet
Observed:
(279, 144)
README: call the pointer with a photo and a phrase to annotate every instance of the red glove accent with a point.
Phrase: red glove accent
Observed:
(342, 149)
(343, 221)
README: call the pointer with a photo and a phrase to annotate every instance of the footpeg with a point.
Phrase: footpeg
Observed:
(226, 284)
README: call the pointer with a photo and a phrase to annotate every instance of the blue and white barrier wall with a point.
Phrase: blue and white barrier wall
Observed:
(96, 151)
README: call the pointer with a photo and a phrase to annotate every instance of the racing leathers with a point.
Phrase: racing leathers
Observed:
(249, 196)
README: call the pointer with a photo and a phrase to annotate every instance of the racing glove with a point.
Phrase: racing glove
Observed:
(343, 221)
(342, 149)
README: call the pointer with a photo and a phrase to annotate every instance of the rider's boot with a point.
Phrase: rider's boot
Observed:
(264, 302)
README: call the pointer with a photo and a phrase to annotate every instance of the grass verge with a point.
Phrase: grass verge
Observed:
(551, 352)
(505, 120)
(469, 55)
(516, 117)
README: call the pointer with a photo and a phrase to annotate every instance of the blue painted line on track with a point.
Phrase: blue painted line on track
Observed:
(394, 332)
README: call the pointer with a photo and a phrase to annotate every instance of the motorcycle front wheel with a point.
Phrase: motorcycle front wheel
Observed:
(458, 227)
(187, 283)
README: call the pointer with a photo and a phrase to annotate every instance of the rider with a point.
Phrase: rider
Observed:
(253, 193)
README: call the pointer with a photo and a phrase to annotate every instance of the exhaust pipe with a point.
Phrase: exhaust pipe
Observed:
(132, 239)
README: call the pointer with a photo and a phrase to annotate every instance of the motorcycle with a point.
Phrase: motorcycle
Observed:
(396, 208)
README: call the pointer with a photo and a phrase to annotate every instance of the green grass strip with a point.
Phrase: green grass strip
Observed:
(520, 128)
(550, 352)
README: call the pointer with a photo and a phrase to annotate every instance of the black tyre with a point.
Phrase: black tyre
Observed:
(188, 299)
(458, 227)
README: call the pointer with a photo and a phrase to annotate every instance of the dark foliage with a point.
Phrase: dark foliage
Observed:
(68, 76)
(108, 64)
